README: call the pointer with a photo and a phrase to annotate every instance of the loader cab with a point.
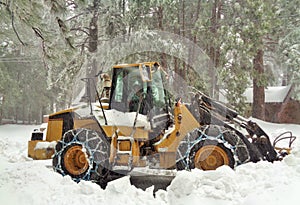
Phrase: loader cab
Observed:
(139, 88)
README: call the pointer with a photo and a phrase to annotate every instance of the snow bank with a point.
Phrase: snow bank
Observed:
(31, 182)
(217, 185)
(252, 183)
(13, 142)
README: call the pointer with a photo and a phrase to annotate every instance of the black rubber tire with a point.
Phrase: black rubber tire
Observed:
(239, 149)
(183, 149)
(96, 148)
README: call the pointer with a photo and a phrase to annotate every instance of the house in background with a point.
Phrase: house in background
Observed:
(279, 106)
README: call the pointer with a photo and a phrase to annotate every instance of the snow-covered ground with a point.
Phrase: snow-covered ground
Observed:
(27, 182)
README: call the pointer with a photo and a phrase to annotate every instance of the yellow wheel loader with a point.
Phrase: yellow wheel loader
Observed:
(135, 123)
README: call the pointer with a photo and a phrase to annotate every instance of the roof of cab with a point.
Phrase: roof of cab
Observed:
(133, 64)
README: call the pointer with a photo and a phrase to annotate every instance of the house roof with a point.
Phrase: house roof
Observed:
(275, 94)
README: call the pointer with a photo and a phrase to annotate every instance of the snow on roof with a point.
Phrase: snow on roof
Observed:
(276, 94)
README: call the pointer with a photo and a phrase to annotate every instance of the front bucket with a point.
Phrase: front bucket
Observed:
(39, 149)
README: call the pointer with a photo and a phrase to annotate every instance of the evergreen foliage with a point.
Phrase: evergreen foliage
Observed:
(46, 46)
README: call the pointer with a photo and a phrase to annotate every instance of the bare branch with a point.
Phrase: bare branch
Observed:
(38, 32)
(73, 17)
(13, 26)
(80, 29)
(84, 45)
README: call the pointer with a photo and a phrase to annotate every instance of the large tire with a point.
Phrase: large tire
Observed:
(82, 154)
(214, 146)
(209, 155)
(184, 148)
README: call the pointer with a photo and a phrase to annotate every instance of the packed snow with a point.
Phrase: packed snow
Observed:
(33, 182)
(115, 117)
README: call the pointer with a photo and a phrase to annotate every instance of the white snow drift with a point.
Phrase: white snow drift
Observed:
(28, 182)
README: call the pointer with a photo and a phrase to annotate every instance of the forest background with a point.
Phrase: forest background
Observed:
(46, 46)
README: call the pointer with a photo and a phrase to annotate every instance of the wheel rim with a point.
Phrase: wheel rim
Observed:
(210, 157)
(75, 160)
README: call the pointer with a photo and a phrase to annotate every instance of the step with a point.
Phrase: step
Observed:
(124, 152)
(120, 138)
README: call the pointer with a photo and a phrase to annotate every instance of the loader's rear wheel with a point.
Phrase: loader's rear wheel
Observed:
(209, 155)
(83, 154)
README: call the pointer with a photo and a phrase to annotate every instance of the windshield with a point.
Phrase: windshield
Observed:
(130, 91)
(125, 82)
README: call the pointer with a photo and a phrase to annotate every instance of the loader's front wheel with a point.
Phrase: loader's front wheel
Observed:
(83, 154)
(212, 155)
(210, 147)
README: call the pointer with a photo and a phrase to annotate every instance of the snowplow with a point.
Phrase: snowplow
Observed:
(135, 122)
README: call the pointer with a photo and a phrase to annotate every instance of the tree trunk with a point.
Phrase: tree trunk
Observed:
(191, 55)
(93, 46)
(93, 29)
(23, 112)
(175, 76)
(214, 51)
(258, 107)
(183, 71)
(29, 114)
(17, 114)
(1, 114)
(160, 26)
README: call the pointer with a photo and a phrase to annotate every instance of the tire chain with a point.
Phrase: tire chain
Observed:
(225, 136)
(96, 148)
